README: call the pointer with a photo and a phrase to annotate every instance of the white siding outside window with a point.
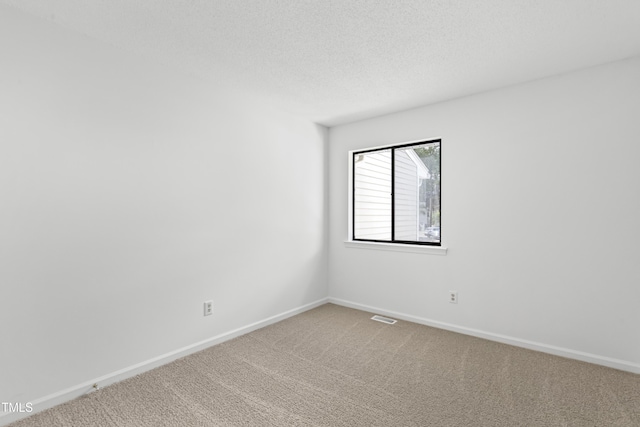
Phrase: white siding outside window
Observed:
(372, 190)
(409, 171)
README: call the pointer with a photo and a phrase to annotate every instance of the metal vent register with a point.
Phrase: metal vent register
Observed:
(383, 319)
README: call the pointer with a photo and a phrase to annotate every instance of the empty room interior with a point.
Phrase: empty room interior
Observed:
(183, 234)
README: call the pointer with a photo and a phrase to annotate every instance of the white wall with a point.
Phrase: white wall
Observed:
(131, 193)
(540, 213)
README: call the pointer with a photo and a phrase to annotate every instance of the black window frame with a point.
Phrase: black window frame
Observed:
(393, 148)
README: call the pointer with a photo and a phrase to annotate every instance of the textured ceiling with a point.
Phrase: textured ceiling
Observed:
(335, 61)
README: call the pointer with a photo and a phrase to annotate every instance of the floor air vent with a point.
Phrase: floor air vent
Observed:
(383, 319)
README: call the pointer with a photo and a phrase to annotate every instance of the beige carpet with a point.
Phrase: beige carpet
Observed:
(332, 366)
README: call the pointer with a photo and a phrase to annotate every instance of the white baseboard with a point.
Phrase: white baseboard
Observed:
(622, 365)
(76, 391)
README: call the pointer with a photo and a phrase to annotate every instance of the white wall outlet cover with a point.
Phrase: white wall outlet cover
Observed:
(208, 308)
(453, 297)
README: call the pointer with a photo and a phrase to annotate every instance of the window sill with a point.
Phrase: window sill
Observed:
(397, 247)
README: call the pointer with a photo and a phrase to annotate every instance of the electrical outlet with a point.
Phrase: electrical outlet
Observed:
(208, 308)
(453, 297)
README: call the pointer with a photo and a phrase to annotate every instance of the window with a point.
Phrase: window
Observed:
(396, 194)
